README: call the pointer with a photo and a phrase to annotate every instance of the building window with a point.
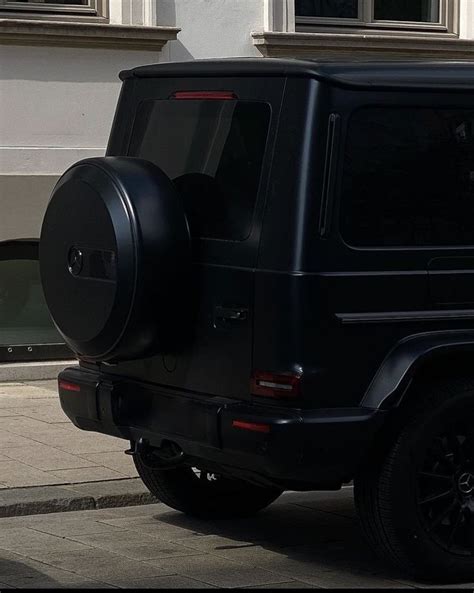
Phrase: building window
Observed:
(408, 178)
(26, 329)
(421, 14)
(48, 7)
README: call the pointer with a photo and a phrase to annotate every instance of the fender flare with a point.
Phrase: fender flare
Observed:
(394, 375)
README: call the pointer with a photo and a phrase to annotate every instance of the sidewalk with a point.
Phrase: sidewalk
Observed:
(48, 465)
(303, 540)
(40, 446)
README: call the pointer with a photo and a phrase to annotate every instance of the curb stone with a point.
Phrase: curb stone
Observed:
(33, 371)
(37, 500)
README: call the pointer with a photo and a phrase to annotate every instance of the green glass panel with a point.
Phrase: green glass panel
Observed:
(24, 317)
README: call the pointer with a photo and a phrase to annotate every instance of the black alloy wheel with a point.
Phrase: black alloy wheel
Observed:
(445, 485)
(415, 492)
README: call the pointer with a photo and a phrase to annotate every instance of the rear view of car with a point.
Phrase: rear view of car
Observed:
(247, 323)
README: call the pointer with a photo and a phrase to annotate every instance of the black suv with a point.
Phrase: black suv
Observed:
(269, 284)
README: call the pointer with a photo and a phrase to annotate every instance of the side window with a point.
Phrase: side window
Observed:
(408, 178)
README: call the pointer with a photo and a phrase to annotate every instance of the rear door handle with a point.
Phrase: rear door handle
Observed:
(230, 313)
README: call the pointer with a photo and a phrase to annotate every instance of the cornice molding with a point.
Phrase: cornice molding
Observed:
(366, 44)
(87, 35)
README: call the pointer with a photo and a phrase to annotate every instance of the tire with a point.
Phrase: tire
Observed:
(203, 494)
(115, 243)
(415, 501)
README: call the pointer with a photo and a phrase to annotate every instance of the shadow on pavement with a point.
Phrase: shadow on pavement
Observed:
(316, 531)
(15, 573)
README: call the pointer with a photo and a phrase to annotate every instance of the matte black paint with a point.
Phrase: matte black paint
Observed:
(357, 322)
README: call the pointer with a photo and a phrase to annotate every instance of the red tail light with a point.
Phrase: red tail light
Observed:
(252, 426)
(205, 95)
(276, 385)
(66, 386)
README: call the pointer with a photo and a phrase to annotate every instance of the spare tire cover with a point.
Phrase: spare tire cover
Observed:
(114, 251)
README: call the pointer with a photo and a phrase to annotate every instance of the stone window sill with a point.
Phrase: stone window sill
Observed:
(81, 34)
(367, 44)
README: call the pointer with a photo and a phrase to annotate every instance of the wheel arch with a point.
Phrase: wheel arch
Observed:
(415, 358)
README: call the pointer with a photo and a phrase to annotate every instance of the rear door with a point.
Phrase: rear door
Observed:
(214, 139)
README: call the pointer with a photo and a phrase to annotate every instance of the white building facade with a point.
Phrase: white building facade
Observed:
(59, 64)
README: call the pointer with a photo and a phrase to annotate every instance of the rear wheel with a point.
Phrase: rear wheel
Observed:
(204, 494)
(416, 503)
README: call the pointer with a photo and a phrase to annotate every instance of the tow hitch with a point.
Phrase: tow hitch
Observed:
(168, 456)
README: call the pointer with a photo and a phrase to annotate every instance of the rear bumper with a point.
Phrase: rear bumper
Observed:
(320, 448)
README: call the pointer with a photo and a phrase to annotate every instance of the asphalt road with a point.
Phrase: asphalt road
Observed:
(303, 540)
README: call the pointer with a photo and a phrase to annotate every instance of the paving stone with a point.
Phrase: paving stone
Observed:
(12, 402)
(322, 572)
(217, 571)
(16, 474)
(225, 558)
(50, 413)
(12, 564)
(26, 391)
(170, 582)
(77, 582)
(100, 565)
(29, 427)
(43, 457)
(26, 573)
(64, 526)
(339, 503)
(156, 526)
(9, 439)
(150, 512)
(78, 442)
(4, 412)
(287, 585)
(87, 474)
(26, 541)
(134, 545)
(115, 460)
(48, 384)
(238, 551)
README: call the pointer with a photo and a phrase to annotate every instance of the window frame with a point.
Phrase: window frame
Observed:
(448, 20)
(97, 10)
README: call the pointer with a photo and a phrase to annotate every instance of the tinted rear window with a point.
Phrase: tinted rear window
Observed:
(409, 177)
(213, 151)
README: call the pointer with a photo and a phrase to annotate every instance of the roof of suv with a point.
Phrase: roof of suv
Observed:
(356, 74)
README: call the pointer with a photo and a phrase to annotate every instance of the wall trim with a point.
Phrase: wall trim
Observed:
(279, 15)
(42, 160)
(89, 35)
(332, 44)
